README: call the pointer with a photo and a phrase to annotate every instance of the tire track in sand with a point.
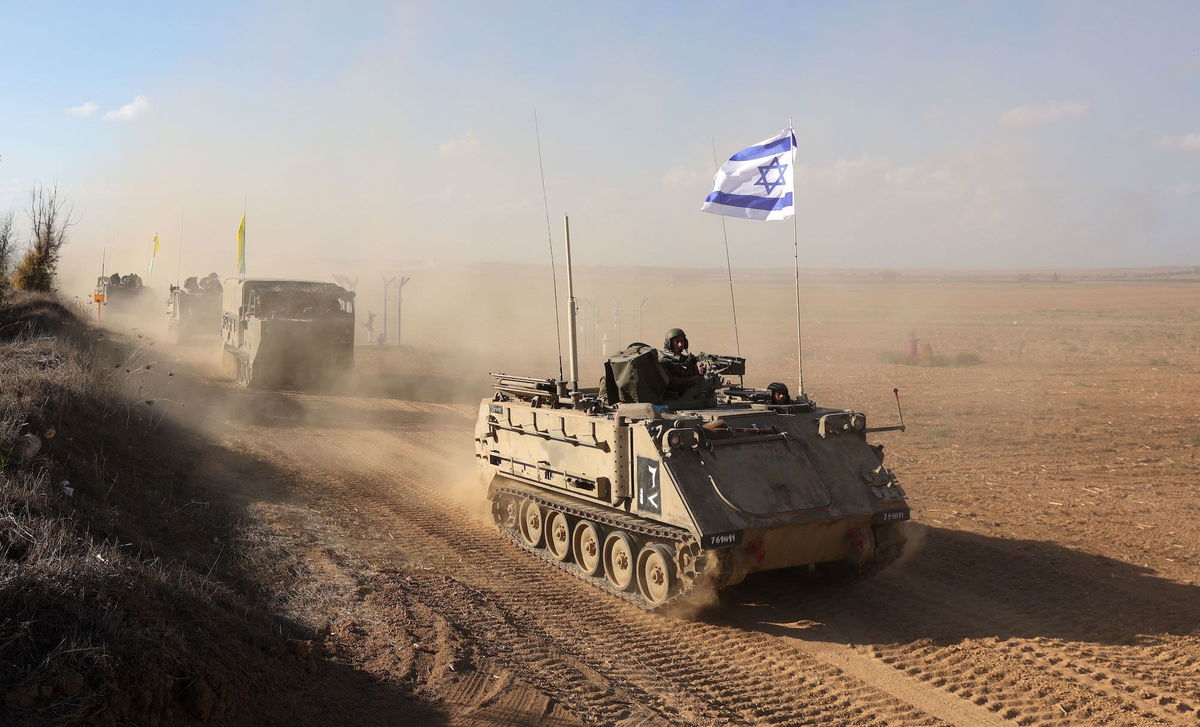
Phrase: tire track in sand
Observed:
(731, 675)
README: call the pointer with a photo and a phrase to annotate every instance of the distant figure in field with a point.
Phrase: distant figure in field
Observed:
(926, 356)
(370, 325)
(911, 347)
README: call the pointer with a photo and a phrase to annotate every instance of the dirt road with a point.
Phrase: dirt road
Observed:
(372, 504)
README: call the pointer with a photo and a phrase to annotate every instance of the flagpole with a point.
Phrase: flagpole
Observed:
(728, 268)
(179, 260)
(796, 248)
(796, 254)
(799, 340)
(245, 203)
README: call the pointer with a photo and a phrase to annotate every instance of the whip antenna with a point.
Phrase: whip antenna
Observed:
(550, 243)
(728, 268)
(179, 261)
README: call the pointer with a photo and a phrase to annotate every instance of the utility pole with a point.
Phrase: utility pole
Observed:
(399, 306)
(617, 324)
(640, 307)
(386, 284)
(592, 324)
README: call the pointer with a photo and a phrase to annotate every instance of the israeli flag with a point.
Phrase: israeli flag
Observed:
(756, 183)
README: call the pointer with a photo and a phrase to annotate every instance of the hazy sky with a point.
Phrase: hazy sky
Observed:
(931, 134)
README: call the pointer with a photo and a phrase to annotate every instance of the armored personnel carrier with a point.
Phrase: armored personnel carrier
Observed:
(650, 498)
(123, 295)
(287, 332)
(194, 308)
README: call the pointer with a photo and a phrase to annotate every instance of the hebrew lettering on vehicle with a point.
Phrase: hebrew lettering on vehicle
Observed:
(649, 487)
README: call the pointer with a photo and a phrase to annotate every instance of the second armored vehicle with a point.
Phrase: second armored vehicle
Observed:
(287, 332)
(123, 295)
(194, 309)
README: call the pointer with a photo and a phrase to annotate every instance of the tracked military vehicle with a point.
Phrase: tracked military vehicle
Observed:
(123, 295)
(651, 498)
(194, 308)
(287, 332)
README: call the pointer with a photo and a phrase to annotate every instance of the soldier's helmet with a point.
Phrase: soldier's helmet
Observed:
(674, 333)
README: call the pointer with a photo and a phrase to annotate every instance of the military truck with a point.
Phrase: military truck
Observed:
(287, 332)
(194, 308)
(651, 498)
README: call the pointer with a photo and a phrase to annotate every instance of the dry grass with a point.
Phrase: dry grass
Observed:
(121, 597)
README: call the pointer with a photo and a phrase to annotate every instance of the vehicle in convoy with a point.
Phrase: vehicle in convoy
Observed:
(123, 295)
(287, 332)
(194, 308)
(650, 498)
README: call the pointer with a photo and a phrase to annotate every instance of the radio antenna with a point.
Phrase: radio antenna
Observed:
(179, 260)
(550, 243)
(737, 343)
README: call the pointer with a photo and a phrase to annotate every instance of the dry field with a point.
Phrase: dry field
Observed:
(1053, 572)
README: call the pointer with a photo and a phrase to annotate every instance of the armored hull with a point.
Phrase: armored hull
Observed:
(650, 502)
(287, 332)
(190, 315)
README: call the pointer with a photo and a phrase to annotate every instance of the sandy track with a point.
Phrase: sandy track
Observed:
(971, 630)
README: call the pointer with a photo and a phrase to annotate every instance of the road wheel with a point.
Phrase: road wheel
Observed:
(585, 544)
(243, 371)
(656, 577)
(558, 536)
(505, 512)
(229, 363)
(618, 560)
(532, 524)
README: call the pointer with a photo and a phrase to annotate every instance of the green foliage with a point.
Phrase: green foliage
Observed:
(49, 220)
(1160, 361)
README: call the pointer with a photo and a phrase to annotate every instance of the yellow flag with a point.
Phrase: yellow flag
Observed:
(154, 255)
(241, 237)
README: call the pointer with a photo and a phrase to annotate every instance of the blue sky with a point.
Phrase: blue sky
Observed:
(931, 134)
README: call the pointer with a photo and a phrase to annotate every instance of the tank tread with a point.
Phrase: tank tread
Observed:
(889, 545)
(613, 520)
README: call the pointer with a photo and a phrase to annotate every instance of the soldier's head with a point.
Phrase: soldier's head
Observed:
(779, 393)
(675, 341)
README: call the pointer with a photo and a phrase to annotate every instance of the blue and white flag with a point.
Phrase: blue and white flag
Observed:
(756, 183)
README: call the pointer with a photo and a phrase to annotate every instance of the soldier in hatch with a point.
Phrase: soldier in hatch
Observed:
(684, 379)
(779, 393)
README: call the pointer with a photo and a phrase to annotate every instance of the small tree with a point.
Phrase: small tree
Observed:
(6, 247)
(49, 219)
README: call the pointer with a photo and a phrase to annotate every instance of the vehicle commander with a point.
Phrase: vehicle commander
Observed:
(779, 393)
(683, 370)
